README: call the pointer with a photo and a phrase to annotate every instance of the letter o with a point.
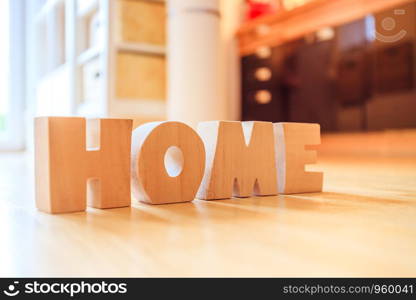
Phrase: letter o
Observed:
(151, 182)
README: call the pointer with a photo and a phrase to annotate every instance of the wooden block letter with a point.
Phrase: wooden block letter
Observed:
(64, 165)
(239, 158)
(291, 157)
(151, 181)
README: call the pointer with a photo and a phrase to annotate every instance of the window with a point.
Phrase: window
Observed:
(12, 76)
(4, 66)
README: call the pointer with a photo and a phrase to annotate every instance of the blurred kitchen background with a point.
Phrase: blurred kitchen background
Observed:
(349, 65)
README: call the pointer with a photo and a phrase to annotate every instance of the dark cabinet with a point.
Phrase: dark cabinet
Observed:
(350, 80)
(393, 68)
(312, 98)
(261, 97)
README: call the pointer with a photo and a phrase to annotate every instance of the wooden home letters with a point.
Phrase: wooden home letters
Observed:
(291, 157)
(226, 159)
(64, 165)
(151, 182)
(240, 159)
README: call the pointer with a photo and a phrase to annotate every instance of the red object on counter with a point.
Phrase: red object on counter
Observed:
(256, 9)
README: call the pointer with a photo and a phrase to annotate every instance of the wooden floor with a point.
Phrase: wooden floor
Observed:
(363, 224)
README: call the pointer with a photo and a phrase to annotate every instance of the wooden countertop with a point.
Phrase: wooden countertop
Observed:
(283, 26)
(363, 224)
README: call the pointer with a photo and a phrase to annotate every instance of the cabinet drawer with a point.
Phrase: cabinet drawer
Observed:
(140, 76)
(141, 21)
(91, 80)
(394, 68)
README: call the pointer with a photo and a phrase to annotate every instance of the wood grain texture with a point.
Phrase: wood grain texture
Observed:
(151, 182)
(239, 159)
(291, 157)
(383, 143)
(362, 224)
(64, 166)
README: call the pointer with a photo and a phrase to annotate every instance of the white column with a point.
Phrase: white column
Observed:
(194, 93)
(232, 12)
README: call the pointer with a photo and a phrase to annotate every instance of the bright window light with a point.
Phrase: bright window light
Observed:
(4, 62)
